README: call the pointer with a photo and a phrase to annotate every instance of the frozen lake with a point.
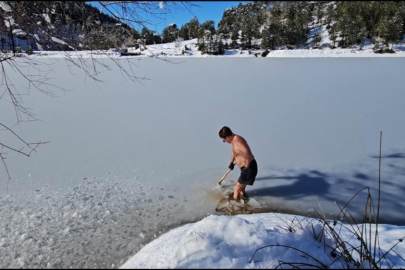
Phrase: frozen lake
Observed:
(127, 162)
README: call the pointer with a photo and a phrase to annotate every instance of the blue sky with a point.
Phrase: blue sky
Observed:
(207, 10)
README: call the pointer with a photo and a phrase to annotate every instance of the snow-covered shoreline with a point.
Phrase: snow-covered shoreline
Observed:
(189, 48)
(232, 242)
(342, 53)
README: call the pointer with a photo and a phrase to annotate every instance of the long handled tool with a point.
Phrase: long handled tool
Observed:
(223, 177)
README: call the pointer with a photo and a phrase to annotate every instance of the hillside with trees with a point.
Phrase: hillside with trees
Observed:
(265, 25)
(38, 25)
(273, 25)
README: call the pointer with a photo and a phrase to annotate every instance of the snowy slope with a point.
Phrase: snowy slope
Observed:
(232, 242)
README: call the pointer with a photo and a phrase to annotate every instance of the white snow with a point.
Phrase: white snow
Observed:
(189, 48)
(58, 40)
(5, 7)
(231, 242)
(19, 32)
(8, 21)
(169, 49)
(39, 45)
(46, 17)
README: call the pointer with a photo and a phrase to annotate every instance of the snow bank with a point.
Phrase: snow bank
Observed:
(235, 242)
(189, 48)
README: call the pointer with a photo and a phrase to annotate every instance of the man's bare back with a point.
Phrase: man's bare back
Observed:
(241, 152)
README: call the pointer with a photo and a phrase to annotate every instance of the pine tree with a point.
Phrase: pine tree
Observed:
(265, 38)
(371, 14)
(350, 23)
(235, 35)
(170, 33)
(333, 35)
(249, 29)
(225, 26)
(296, 28)
(319, 11)
(209, 25)
(317, 39)
(390, 26)
(276, 28)
(401, 13)
(184, 32)
(221, 47)
(147, 36)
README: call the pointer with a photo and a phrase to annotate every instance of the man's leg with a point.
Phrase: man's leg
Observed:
(243, 192)
(237, 190)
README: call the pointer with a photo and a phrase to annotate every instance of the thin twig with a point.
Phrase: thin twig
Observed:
(278, 245)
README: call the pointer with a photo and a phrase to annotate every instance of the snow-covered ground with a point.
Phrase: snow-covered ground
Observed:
(263, 241)
(128, 162)
(189, 48)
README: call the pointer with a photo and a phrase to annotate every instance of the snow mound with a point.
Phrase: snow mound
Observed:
(232, 242)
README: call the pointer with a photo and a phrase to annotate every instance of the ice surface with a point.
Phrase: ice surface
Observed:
(312, 124)
(95, 224)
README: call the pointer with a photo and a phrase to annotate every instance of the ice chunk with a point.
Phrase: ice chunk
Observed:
(252, 202)
(222, 203)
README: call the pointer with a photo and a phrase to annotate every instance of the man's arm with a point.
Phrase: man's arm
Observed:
(232, 157)
(232, 164)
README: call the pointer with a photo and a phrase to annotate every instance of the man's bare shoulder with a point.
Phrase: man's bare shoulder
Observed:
(240, 139)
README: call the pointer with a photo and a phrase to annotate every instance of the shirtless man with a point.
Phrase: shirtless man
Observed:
(244, 158)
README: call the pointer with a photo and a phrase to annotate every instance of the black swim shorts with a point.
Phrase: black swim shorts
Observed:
(248, 175)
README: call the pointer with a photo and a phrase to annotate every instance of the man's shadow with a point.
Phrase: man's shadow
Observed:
(305, 184)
